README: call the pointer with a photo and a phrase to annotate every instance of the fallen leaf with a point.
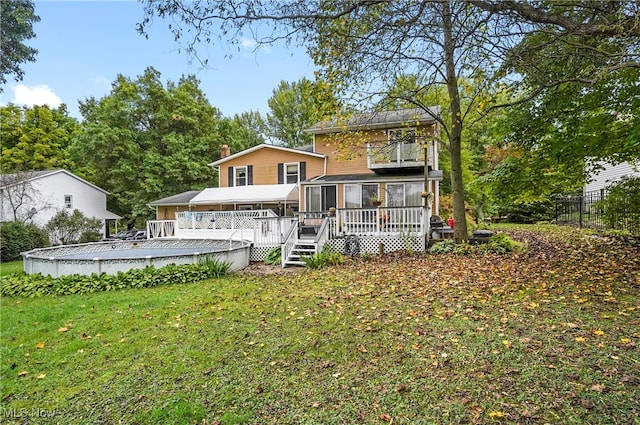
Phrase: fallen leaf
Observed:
(40, 345)
(496, 415)
(63, 329)
(23, 373)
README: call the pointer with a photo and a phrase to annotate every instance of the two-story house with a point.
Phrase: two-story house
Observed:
(379, 156)
(373, 176)
(37, 196)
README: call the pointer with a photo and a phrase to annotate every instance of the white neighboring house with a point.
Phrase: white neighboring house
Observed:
(37, 196)
(611, 173)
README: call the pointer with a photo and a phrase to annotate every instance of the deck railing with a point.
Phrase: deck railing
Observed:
(382, 221)
(289, 241)
(228, 220)
(270, 231)
(161, 228)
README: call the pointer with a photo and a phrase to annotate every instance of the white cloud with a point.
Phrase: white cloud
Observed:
(35, 95)
(101, 81)
(249, 44)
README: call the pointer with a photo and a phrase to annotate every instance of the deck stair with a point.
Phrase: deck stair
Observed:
(305, 246)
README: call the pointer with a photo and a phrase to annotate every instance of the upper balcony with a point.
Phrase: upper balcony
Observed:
(409, 156)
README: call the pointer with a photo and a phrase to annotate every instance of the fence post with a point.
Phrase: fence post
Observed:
(581, 208)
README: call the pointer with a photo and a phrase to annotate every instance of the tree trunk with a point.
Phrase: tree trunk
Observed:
(455, 134)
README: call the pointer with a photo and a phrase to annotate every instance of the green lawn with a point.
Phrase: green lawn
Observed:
(548, 336)
(11, 267)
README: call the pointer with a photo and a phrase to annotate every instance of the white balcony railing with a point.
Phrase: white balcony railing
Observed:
(399, 155)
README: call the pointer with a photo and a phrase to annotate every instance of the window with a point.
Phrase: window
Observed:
(402, 135)
(313, 200)
(404, 194)
(68, 202)
(359, 195)
(240, 176)
(292, 171)
(320, 198)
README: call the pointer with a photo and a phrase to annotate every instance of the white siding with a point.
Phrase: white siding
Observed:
(610, 174)
(86, 199)
(50, 191)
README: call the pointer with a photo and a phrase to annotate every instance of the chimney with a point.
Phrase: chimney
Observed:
(225, 151)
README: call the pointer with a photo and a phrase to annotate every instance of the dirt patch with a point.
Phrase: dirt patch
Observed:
(262, 269)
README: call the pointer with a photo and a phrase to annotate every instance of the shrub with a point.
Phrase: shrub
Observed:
(621, 207)
(17, 237)
(327, 257)
(36, 285)
(530, 212)
(274, 256)
(68, 228)
(464, 249)
(500, 243)
(215, 267)
(90, 236)
(443, 247)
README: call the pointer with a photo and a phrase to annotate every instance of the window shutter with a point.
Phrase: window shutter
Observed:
(303, 171)
(280, 173)
(230, 177)
(249, 175)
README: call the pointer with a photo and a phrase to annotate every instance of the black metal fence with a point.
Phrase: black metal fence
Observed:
(590, 209)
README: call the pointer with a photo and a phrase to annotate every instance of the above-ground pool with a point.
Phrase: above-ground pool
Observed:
(120, 256)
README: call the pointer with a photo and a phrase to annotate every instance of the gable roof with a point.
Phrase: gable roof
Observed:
(303, 150)
(377, 120)
(179, 199)
(40, 174)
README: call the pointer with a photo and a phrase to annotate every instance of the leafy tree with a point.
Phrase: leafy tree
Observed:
(35, 138)
(17, 237)
(362, 46)
(580, 73)
(243, 131)
(297, 106)
(19, 194)
(144, 141)
(67, 228)
(16, 21)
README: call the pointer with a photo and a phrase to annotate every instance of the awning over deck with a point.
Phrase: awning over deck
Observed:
(258, 194)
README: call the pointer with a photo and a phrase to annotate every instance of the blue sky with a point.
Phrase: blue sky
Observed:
(83, 45)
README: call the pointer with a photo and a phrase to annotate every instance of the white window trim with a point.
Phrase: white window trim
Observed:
(286, 175)
(246, 175)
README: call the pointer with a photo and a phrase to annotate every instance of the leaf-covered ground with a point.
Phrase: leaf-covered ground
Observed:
(547, 336)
